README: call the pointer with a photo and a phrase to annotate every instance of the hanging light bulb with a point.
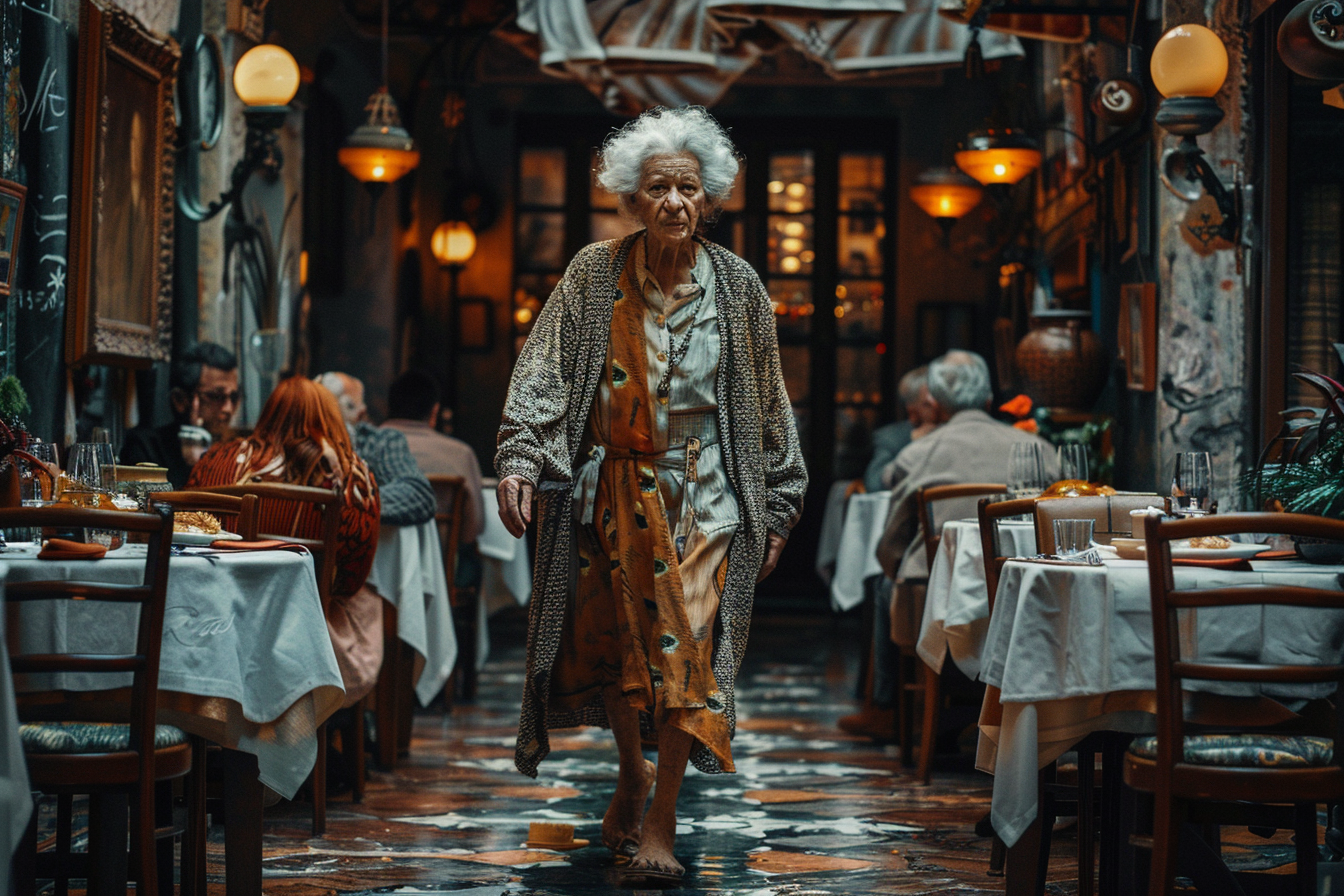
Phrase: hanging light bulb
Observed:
(945, 194)
(380, 150)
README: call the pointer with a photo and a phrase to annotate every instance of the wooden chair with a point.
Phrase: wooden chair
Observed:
(1110, 515)
(1185, 781)
(453, 497)
(927, 498)
(280, 516)
(240, 512)
(71, 747)
(990, 512)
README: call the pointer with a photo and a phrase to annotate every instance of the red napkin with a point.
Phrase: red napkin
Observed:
(63, 549)
(1276, 555)
(1240, 564)
(274, 544)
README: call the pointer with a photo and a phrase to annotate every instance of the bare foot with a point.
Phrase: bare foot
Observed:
(655, 847)
(621, 824)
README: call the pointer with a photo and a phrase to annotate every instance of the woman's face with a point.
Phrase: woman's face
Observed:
(670, 200)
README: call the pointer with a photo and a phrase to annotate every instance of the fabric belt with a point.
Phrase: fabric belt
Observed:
(683, 427)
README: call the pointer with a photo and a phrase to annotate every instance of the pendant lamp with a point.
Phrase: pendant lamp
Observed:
(945, 194)
(998, 156)
(380, 150)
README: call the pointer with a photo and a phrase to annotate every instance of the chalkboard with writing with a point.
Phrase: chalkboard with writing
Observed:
(47, 77)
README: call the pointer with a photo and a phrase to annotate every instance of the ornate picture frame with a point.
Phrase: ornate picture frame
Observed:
(1137, 335)
(121, 228)
(12, 197)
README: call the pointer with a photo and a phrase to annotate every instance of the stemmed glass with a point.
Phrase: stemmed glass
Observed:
(1073, 462)
(35, 488)
(91, 472)
(1026, 470)
(1192, 484)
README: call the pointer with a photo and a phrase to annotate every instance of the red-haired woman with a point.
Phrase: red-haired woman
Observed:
(301, 439)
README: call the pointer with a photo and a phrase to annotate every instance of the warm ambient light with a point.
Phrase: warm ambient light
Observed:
(999, 156)
(266, 75)
(1189, 60)
(945, 194)
(379, 150)
(453, 243)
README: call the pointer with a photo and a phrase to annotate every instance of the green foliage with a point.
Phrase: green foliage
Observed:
(1315, 485)
(13, 400)
(1094, 434)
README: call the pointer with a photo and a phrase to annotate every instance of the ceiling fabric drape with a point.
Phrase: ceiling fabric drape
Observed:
(634, 54)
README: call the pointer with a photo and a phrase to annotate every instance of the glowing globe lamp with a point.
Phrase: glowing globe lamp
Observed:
(1189, 60)
(453, 243)
(266, 75)
(1003, 156)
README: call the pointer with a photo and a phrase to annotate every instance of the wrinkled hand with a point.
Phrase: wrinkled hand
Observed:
(772, 551)
(515, 504)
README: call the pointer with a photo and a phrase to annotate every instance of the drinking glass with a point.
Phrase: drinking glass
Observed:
(46, 453)
(1192, 484)
(1026, 470)
(85, 473)
(1073, 462)
(33, 492)
(1073, 537)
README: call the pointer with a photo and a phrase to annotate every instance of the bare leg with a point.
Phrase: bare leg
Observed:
(621, 824)
(660, 823)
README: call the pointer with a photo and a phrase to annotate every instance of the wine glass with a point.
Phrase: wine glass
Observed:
(42, 488)
(1073, 462)
(1026, 470)
(1192, 484)
(91, 471)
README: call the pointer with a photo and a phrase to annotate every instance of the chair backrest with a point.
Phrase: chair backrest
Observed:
(930, 495)
(451, 492)
(1174, 668)
(990, 512)
(239, 512)
(299, 514)
(149, 596)
(855, 487)
(1110, 515)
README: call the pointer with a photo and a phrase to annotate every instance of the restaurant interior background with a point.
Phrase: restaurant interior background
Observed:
(299, 266)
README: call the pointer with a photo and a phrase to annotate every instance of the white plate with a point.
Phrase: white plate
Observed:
(204, 538)
(1181, 551)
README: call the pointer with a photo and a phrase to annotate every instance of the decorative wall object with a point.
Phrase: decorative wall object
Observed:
(1137, 335)
(121, 228)
(1059, 363)
(11, 218)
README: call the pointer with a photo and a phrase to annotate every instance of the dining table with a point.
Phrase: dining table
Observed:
(246, 662)
(865, 516)
(408, 573)
(1069, 651)
(506, 571)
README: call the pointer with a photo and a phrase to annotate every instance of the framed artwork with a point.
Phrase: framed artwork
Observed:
(11, 217)
(121, 228)
(475, 325)
(1137, 335)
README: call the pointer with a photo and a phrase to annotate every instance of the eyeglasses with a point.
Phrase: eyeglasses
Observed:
(220, 397)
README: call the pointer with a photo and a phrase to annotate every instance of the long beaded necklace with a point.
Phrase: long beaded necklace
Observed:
(677, 352)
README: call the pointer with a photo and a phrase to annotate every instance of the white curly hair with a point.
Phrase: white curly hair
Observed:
(663, 131)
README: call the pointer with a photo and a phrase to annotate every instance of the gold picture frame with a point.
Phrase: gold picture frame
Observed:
(12, 197)
(121, 234)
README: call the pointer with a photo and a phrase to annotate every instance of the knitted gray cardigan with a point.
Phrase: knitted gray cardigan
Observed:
(550, 396)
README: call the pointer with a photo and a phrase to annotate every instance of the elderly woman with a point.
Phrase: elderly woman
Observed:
(648, 410)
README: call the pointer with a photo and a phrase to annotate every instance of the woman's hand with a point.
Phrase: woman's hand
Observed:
(515, 504)
(772, 550)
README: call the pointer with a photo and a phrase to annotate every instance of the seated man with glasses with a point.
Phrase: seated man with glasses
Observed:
(203, 393)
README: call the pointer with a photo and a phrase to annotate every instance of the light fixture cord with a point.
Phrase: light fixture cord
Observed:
(384, 45)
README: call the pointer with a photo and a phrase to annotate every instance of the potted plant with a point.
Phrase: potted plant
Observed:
(1301, 470)
(14, 441)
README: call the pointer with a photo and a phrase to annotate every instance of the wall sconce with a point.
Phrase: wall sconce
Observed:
(265, 79)
(998, 156)
(945, 194)
(380, 150)
(453, 243)
(1189, 65)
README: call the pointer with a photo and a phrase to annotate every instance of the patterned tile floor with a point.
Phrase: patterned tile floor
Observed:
(812, 811)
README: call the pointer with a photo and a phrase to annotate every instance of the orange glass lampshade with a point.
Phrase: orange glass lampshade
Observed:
(945, 193)
(380, 150)
(999, 156)
(1189, 60)
(453, 243)
(266, 75)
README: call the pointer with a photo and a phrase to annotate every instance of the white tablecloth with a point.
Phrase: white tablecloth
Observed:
(246, 662)
(408, 573)
(956, 604)
(16, 798)
(506, 571)
(856, 555)
(832, 522)
(1071, 650)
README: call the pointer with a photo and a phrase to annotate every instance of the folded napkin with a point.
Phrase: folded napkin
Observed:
(1240, 564)
(63, 549)
(1276, 555)
(274, 544)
